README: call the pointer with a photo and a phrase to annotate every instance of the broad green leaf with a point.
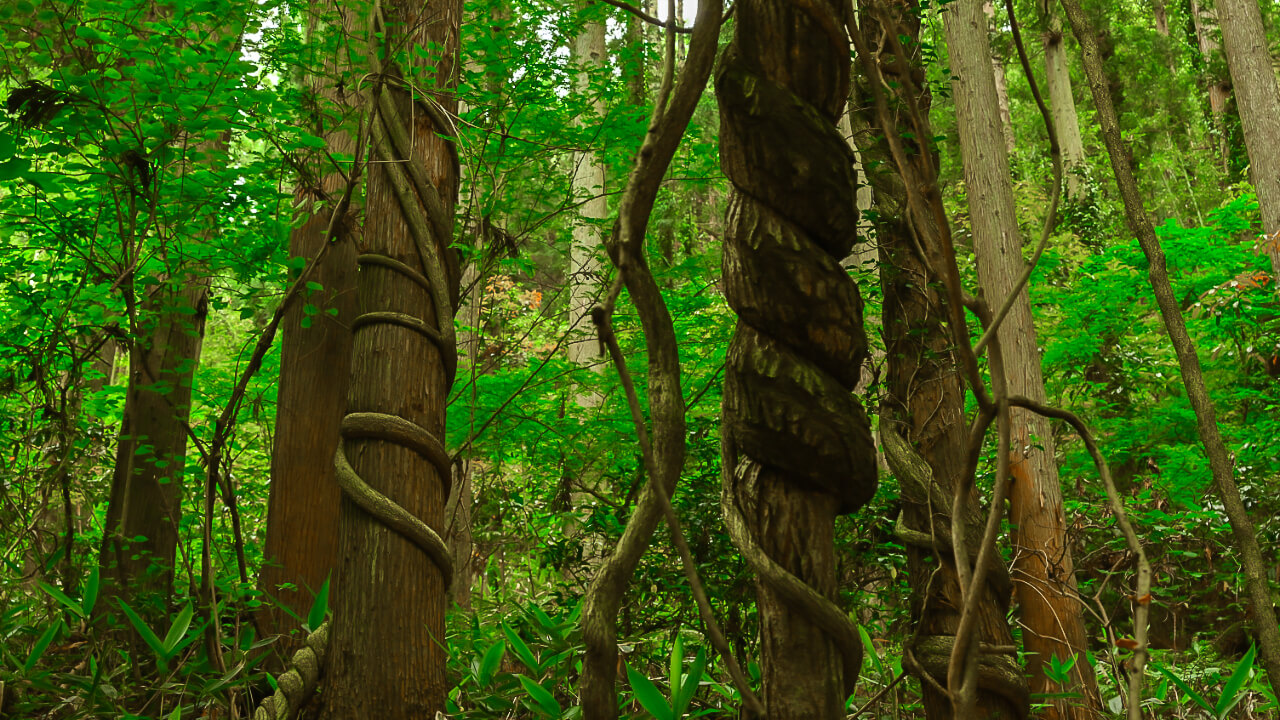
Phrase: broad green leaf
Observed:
(545, 700)
(61, 597)
(1239, 676)
(491, 662)
(872, 654)
(37, 650)
(649, 696)
(148, 636)
(521, 650)
(689, 685)
(178, 630)
(91, 592)
(677, 665)
(319, 608)
(1185, 688)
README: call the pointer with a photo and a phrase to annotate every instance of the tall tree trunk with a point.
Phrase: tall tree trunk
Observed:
(797, 446)
(1218, 87)
(386, 656)
(302, 509)
(588, 190)
(1002, 86)
(1161, 14)
(1043, 569)
(924, 405)
(1062, 103)
(1255, 571)
(146, 487)
(1258, 99)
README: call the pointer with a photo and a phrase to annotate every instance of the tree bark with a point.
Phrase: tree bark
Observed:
(797, 447)
(1044, 573)
(924, 404)
(1256, 575)
(1063, 105)
(1258, 99)
(146, 487)
(588, 190)
(387, 656)
(1218, 88)
(301, 546)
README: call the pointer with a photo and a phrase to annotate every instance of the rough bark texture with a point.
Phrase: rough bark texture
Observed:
(1217, 86)
(1002, 86)
(1062, 103)
(1044, 574)
(386, 657)
(924, 404)
(301, 547)
(146, 488)
(593, 206)
(1256, 574)
(1258, 98)
(797, 445)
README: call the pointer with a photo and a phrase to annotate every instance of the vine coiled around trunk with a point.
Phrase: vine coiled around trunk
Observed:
(790, 415)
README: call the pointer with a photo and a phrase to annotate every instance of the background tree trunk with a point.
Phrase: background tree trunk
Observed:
(1062, 103)
(1044, 574)
(1258, 99)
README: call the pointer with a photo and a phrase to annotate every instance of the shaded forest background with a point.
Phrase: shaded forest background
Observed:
(172, 172)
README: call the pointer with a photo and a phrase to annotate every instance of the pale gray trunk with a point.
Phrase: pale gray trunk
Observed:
(1258, 99)
(1063, 104)
(1044, 570)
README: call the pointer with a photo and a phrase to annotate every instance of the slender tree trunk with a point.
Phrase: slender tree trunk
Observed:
(1062, 103)
(1255, 571)
(1258, 99)
(797, 446)
(146, 487)
(1002, 86)
(387, 656)
(1218, 87)
(1161, 14)
(593, 207)
(924, 404)
(1044, 573)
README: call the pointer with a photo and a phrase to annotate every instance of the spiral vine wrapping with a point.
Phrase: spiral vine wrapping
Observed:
(790, 415)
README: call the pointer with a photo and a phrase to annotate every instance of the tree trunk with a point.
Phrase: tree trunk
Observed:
(1217, 86)
(301, 547)
(924, 404)
(146, 487)
(1063, 105)
(1002, 86)
(593, 207)
(1043, 567)
(387, 657)
(1256, 573)
(1258, 100)
(797, 445)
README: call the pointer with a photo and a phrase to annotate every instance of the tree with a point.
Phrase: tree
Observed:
(1057, 71)
(1218, 86)
(386, 658)
(1044, 573)
(924, 399)
(301, 546)
(797, 448)
(1258, 100)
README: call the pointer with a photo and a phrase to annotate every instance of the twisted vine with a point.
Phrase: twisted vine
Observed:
(294, 686)
(792, 424)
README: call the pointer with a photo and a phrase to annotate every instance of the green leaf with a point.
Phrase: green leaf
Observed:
(649, 696)
(1231, 691)
(61, 597)
(37, 650)
(1185, 688)
(319, 608)
(689, 685)
(91, 592)
(178, 630)
(148, 636)
(491, 661)
(521, 650)
(871, 653)
(677, 664)
(546, 702)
